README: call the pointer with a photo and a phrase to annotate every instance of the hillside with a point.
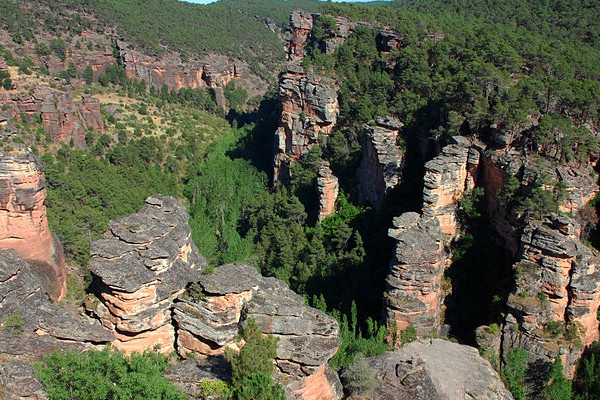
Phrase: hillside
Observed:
(420, 170)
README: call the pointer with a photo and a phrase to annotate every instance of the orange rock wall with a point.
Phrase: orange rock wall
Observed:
(23, 220)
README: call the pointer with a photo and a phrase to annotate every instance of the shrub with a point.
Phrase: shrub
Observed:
(14, 323)
(359, 377)
(514, 372)
(106, 374)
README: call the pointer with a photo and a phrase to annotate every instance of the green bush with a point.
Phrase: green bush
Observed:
(514, 372)
(106, 374)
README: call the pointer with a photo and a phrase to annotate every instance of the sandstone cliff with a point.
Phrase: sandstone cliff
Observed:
(209, 316)
(447, 177)
(145, 261)
(553, 310)
(413, 294)
(382, 160)
(62, 117)
(309, 108)
(23, 220)
(328, 189)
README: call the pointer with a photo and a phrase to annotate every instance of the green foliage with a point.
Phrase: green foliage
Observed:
(253, 366)
(513, 372)
(14, 323)
(359, 377)
(586, 385)
(106, 374)
(59, 48)
(88, 75)
(408, 335)
(559, 387)
(373, 343)
(214, 389)
(85, 192)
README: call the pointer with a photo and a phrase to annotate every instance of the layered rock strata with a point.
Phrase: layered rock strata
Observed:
(309, 109)
(23, 220)
(209, 317)
(172, 72)
(328, 189)
(61, 115)
(447, 177)
(436, 370)
(413, 294)
(144, 262)
(382, 160)
(553, 310)
(301, 23)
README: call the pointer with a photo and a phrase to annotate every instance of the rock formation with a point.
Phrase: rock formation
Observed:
(382, 160)
(413, 294)
(23, 221)
(172, 72)
(553, 310)
(447, 177)
(301, 23)
(209, 315)
(309, 108)
(436, 370)
(328, 189)
(61, 116)
(144, 262)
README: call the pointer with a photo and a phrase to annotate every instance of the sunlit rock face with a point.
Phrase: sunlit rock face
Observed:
(23, 220)
(144, 262)
(210, 316)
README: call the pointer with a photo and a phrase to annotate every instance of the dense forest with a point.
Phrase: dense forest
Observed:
(466, 67)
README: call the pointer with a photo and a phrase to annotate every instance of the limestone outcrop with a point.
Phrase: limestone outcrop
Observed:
(413, 294)
(209, 316)
(61, 115)
(144, 262)
(328, 189)
(309, 108)
(382, 160)
(436, 370)
(553, 310)
(447, 177)
(23, 220)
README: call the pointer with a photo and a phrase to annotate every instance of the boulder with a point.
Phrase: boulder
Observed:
(436, 370)
(328, 189)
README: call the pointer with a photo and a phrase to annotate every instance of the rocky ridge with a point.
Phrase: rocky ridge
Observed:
(553, 310)
(24, 223)
(309, 109)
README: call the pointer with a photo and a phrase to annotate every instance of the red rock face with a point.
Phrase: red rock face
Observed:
(328, 189)
(309, 109)
(301, 23)
(23, 222)
(173, 73)
(447, 177)
(62, 117)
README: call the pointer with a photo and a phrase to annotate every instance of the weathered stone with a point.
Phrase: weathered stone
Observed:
(146, 260)
(558, 282)
(382, 160)
(309, 108)
(61, 115)
(447, 177)
(232, 293)
(18, 382)
(328, 189)
(23, 220)
(413, 293)
(436, 370)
